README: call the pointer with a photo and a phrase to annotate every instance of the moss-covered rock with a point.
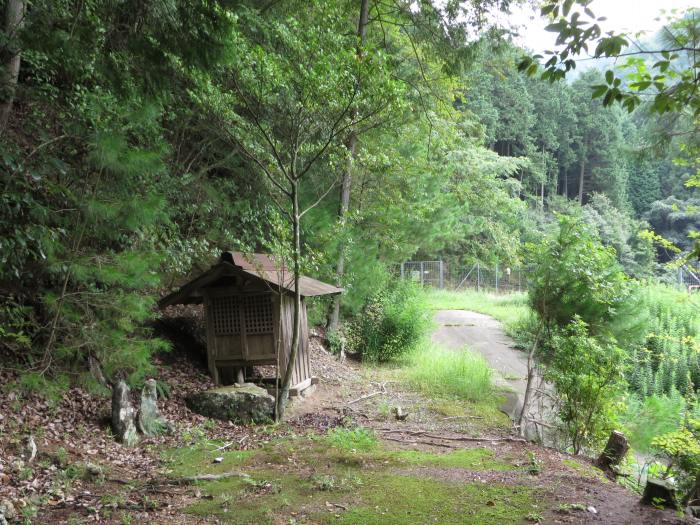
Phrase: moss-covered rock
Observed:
(246, 403)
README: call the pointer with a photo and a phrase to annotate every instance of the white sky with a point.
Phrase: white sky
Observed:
(629, 16)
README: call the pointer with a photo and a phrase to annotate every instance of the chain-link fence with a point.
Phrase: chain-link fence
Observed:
(499, 278)
(430, 273)
(439, 274)
(689, 277)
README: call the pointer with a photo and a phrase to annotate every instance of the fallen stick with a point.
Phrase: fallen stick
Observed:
(400, 431)
(362, 398)
(489, 439)
(202, 477)
(224, 446)
(538, 422)
(423, 433)
(415, 442)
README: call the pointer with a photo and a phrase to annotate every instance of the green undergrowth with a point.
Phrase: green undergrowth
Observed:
(397, 500)
(350, 476)
(199, 458)
(438, 372)
(511, 309)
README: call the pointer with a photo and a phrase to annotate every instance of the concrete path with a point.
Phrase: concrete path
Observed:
(483, 334)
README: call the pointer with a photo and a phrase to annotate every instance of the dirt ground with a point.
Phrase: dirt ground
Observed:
(134, 485)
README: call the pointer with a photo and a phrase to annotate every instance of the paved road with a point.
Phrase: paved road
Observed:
(483, 334)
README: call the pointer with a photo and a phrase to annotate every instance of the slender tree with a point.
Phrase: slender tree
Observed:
(285, 103)
(346, 182)
(14, 18)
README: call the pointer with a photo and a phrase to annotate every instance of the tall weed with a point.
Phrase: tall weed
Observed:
(392, 323)
(439, 372)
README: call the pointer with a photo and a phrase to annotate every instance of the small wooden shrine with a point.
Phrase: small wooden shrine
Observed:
(249, 309)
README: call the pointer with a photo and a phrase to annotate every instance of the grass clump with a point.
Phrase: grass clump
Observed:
(439, 372)
(358, 439)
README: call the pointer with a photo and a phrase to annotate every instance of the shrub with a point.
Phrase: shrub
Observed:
(336, 341)
(582, 300)
(575, 275)
(392, 323)
(587, 375)
(680, 450)
(438, 371)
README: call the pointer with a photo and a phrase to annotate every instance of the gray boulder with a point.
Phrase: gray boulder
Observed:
(7, 511)
(150, 421)
(123, 415)
(240, 403)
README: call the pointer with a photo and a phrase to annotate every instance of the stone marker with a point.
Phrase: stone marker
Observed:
(150, 421)
(659, 492)
(123, 415)
(240, 403)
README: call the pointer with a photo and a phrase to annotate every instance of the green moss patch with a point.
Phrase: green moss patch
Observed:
(372, 498)
(586, 470)
(260, 499)
(398, 500)
(480, 416)
(467, 458)
(199, 459)
(349, 478)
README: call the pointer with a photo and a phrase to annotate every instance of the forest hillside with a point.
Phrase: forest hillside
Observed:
(145, 142)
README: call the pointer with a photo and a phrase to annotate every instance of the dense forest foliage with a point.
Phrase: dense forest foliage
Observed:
(141, 138)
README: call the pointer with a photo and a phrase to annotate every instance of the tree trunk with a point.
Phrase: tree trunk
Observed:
(544, 179)
(566, 183)
(581, 173)
(344, 206)
(530, 381)
(614, 452)
(542, 195)
(283, 394)
(14, 17)
(346, 184)
(520, 189)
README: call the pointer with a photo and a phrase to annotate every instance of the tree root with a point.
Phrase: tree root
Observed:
(424, 433)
